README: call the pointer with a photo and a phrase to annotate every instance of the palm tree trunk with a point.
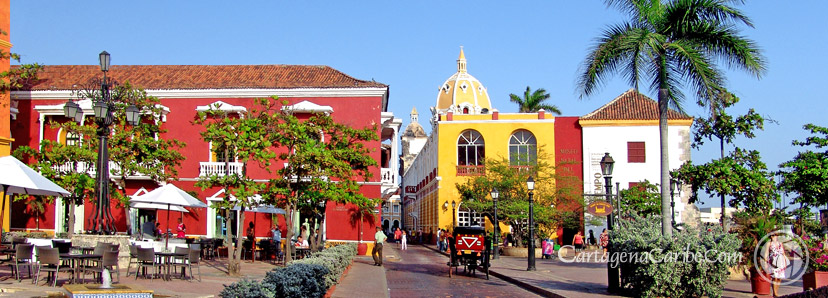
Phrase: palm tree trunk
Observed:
(724, 202)
(663, 99)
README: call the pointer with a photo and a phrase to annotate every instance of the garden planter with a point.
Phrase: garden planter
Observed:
(330, 291)
(759, 282)
(521, 252)
(362, 248)
(814, 279)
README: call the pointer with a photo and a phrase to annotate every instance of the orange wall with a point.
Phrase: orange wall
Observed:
(5, 45)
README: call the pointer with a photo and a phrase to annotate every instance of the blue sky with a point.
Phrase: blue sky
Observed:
(412, 46)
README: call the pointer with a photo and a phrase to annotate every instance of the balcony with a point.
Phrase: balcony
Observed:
(90, 168)
(387, 176)
(217, 168)
(472, 170)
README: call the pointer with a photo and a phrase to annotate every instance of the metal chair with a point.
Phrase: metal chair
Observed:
(23, 256)
(108, 261)
(133, 257)
(176, 260)
(192, 258)
(49, 261)
(146, 258)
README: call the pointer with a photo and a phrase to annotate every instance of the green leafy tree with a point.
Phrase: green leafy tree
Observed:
(325, 160)
(534, 101)
(725, 128)
(134, 150)
(741, 175)
(244, 136)
(550, 204)
(671, 44)
(643, 199)
(69, 164)
(806, 175)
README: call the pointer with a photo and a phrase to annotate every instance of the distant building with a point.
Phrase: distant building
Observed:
(627, 129)
(466, 129)
(713, 215)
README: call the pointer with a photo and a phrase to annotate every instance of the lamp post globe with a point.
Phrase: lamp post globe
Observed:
(530, 185)
(496, 224)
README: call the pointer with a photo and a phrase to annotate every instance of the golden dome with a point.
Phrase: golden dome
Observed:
(462, 93)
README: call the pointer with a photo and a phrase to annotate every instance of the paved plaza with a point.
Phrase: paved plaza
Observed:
(420, 271)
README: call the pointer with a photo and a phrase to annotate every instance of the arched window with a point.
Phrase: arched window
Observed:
(523, 149)
(471, 151)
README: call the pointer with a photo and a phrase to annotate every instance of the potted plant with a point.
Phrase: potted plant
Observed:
(750, 229)
(817, 274)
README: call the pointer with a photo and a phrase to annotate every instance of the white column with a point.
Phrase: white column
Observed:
(395, 154)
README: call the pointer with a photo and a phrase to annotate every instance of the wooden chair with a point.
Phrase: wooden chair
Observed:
(146, 258)
(23, 256)
(49, 261)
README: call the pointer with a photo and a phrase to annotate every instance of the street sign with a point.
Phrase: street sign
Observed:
(599, 208)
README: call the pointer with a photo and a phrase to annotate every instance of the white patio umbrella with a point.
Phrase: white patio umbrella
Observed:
(169, 195)
(17, 177)
(157, 207)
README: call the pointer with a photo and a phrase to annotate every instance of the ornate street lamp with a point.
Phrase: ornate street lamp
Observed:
(496, 255)
(104, 106)
(530, 185)
(453, 214)
(675, 187)
(607, 164)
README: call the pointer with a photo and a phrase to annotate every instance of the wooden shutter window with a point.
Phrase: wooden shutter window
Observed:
(636, 152)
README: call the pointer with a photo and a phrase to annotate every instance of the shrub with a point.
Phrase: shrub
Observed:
(308, 277)
(247, 288)
(672, 267)
(298, 280)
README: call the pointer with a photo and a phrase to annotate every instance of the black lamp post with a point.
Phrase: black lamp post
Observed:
(607, 164)
(104, 106)
(530, 185)
(453, 214)
(496, 255)
(675, 186)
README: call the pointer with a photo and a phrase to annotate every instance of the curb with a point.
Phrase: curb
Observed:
(524, 285)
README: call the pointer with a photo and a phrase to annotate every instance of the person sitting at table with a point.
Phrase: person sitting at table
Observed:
(159, 233)
(301, 242)
(148, 229)
(251, 232)
(181, 229)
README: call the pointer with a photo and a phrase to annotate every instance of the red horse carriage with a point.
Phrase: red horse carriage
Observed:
(469, 247)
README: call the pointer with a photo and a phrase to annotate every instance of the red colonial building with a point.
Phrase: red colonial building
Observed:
(184, 90)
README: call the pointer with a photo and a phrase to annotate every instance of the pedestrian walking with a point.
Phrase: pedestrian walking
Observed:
(578, 241)
(403, 241)
(379, 239)
(605, 241)
(397, 235)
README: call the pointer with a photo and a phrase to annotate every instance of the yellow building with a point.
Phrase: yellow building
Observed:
(465, 130)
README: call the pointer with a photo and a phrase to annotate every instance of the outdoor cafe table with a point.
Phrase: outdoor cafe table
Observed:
(76, 259)
(302, 251)
(167, 258)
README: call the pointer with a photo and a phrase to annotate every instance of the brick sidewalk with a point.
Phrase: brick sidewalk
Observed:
(213, 273)
(554, 278)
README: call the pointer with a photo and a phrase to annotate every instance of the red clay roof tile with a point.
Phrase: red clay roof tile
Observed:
(631, 105)
(63, 77)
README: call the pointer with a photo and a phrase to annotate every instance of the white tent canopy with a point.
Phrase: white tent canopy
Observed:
(169, 195)
(138, 205)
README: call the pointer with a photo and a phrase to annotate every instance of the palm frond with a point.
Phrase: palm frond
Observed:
(610, 52)
(736, 51)
(696, 68)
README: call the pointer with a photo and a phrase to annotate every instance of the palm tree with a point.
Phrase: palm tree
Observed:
(672, 43)
(533, 101)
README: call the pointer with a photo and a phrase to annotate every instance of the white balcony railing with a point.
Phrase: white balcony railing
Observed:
(114, 169)
(387, 175)
(217, 168)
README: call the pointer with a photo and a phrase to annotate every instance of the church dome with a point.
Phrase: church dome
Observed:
(462, 93)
